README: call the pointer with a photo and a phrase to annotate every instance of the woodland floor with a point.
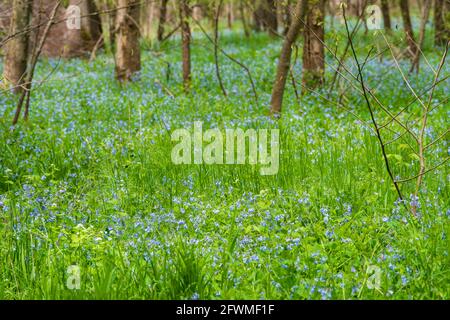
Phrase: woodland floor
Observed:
(89, 181)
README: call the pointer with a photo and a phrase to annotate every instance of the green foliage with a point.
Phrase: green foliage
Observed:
(89, 182)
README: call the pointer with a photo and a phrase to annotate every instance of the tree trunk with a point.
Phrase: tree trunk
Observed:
(442, 22)
(112, 30)
(128, 55)
(409, 33)
(285, 57)
(314, 51)
(258, 16)
(243, 18)
(107, 27)
(287, 16)
(147, 13)
(423, 25)
(185, 42)
(230, 16)
(81, 42)
(446, 20)
(386, 14)
(162, 19)
(91, 25)
(270, 17)
(17, 48)
(216, 47)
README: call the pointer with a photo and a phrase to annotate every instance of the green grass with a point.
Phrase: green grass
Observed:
(88, 181)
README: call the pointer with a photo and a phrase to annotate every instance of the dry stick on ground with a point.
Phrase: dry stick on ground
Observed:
(216, 44)
(30, 73)
(369, 106)
(243, 66)
(165, 88)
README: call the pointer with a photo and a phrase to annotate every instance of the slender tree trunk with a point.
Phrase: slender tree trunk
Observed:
(447, 20)
(423, 25)
(147, 13)
(185, 42)
(258, 16)
(106, 27)
(244, 18)
(91, 25)
(314, 51)
(162, 19)
(32, 61)
(82, 42)
(270, 17)
(386, 14)
(287, 16)
(285, 57)
(409, 33)
(216, 47)
(128, 55)
(17, 48)
(230, 15)
(112, 17)
(353, 7)
(442, 22)
(439, 23)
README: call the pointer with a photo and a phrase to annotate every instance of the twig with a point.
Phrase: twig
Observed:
(243, 66)
(425, 172)
(369, 106)
(29, 79)
(422, 169)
